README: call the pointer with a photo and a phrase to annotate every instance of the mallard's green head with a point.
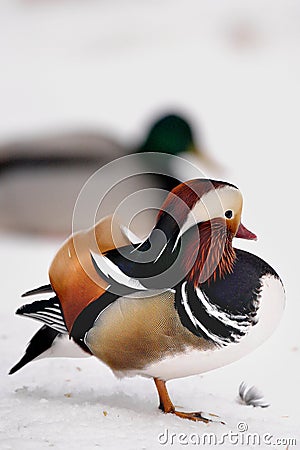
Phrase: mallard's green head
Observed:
(170, 134)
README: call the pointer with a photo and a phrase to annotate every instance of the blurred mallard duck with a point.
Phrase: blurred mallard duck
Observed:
(174, 135)
(41, 177)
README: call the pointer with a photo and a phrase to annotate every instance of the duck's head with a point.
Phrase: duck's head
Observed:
(198, 201)
(170, 134)
(204, 216)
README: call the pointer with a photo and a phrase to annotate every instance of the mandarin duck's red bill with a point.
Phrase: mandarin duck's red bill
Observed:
(244, 233)
(182, 302)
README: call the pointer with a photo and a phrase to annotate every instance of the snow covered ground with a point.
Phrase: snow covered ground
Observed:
(235, 68)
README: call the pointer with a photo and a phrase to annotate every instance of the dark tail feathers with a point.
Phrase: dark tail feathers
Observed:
(40, 290)
(39, 343)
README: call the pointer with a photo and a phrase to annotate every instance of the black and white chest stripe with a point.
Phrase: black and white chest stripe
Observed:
(224, 311)
(205, 319)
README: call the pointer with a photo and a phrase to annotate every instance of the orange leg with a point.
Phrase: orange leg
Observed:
(166, 405)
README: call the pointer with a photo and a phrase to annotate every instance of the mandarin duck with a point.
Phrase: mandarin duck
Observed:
(182, 302)
(42, 177)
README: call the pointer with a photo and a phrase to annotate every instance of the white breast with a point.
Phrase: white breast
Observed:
(192, 362)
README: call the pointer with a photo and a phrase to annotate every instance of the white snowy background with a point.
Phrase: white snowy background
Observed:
(234, 67)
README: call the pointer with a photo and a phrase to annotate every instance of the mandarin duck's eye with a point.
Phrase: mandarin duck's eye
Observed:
(229, 214)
